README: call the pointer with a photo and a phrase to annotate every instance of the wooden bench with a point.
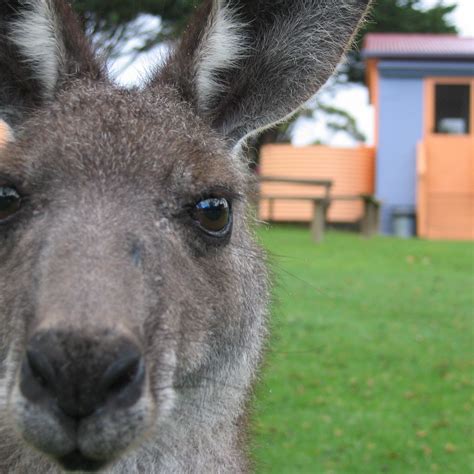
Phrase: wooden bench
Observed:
(370, 222)
(320, 206)
(320, 203)
(368, 225)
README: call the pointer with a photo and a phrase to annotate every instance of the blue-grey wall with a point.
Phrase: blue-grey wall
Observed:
(400, 129)
(401, 108)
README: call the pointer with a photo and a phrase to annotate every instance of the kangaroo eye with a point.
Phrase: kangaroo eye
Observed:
(213, 215)
(10, 202)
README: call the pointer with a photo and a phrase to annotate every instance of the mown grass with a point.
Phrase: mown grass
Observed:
(370, 367)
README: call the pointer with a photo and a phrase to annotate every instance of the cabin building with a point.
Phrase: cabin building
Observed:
(421, 167)
(422, 88)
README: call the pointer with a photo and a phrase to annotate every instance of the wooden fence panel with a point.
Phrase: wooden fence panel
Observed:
(350, 169)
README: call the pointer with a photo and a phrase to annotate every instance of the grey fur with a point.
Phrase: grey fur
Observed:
(103, 247)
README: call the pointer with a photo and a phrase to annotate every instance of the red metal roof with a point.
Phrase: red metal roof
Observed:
(402, 45)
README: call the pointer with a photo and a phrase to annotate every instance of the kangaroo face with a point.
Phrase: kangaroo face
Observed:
(132, 295)
(131, 238)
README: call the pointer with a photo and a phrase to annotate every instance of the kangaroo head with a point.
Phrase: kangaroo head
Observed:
(132, 295)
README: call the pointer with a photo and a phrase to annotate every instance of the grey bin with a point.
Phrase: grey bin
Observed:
(403, 222)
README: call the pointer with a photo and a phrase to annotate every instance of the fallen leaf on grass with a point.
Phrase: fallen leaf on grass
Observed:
(427, 450)
(450, 448)
(326, 418)
(318, 401)
(300, 390)
(441, 423)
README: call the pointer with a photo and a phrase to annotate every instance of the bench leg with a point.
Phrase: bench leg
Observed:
(376, 218)
(318, 224)
(370, 220)
(365, 222)
(270, 210)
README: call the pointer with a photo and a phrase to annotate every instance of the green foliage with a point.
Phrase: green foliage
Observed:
(341, 120)
(112, 21)
(109, 14)
(370, 364)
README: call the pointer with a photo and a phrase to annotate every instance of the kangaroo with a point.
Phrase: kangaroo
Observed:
(133, 296)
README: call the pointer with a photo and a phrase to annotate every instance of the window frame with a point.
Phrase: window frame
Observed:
(430, 104)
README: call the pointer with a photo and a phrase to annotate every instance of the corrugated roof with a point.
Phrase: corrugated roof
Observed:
(402, 45)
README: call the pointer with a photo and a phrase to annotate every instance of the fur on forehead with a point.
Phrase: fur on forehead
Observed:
(97, 129)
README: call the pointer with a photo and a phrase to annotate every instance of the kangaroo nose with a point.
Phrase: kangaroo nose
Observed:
(81, 376)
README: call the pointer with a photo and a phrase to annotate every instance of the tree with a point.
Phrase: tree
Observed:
(112, 22)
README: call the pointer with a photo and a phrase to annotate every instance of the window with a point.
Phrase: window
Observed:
(452, 109)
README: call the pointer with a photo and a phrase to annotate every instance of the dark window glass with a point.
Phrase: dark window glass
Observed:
(452, 109)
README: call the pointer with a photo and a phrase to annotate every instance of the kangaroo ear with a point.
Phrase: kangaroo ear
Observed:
(42, 47)
(248, 64)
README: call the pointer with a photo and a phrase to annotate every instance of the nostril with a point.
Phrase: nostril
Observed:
(41, 368)
(121, 373)
(37, 375)
(123, 380)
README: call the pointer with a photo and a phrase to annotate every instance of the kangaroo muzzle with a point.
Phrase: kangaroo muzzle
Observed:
(70, 383)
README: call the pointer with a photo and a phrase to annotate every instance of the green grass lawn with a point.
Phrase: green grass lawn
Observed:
(370, 366)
